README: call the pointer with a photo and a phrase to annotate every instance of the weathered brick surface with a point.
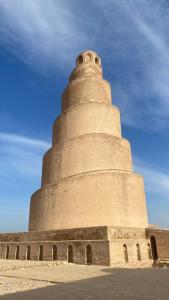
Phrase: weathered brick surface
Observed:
(125, 233)
(94, 233)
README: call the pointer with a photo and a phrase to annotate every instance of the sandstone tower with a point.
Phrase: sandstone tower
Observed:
(87, 176)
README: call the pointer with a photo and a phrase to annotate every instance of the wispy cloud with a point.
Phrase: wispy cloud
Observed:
(131, 36)
(20, 175)
(156, 181)
(42, 34)
(153, 25)
(22, 141)
(140, 46)
(20, 156)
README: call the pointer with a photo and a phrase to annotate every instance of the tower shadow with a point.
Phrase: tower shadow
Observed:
(119, 284)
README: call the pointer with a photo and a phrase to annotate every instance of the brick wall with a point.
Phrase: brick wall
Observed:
(100, 251)
(162, 241)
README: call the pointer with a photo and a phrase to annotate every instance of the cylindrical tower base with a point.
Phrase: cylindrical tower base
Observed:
(109, 198)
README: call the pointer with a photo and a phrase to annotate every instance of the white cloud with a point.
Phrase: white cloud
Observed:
(22, 141)
(20, 156)
(157, 70)
(20, 176)
(41, 33)
(156, 182)
(137, 33)
(132, 37)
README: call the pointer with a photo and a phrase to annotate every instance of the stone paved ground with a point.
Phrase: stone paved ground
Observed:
(48, 280)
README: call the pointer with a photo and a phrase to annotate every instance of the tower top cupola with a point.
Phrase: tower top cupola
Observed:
(88, 63)
(88, 56)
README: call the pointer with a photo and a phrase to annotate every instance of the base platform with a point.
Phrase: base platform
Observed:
(92, 245)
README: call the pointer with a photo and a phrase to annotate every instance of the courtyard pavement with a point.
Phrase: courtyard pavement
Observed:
(28, 280)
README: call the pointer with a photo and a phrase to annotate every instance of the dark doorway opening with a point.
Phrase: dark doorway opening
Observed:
(153, 247)
(7, 252)
(70, 254)
(138, 252)
(125, 251)
(89, 254)
(17, 252)
(54, 252)
(28, 253)
(41, 252)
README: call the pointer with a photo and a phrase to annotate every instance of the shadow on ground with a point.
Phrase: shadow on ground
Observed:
(120, 284)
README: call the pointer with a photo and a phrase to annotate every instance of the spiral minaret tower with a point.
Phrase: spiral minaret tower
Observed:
(87, 175)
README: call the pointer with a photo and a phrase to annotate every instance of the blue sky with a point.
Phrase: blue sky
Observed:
(39, 41)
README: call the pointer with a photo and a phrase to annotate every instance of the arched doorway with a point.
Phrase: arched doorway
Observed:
(7, 252)
(28, 253)
(70, 254)
(153, 247)
(54, 252)
(125, 251)
(138, 252)
(17, 252)
(89, 254)
(40, 252)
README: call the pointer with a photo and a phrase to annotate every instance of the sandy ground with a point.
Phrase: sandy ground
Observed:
(28, 280)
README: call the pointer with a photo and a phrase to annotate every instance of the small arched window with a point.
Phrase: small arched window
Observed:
(89, 254)
(7, 252)
(89, 57)
(97, 61)
(17, 252)
(138, 252)
(28, 253)
(54, 252)
(70, 254)
(125, 251)
(40, 252)
(79, 60)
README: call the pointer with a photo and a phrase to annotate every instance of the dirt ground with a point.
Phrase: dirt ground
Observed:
(28, 280)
